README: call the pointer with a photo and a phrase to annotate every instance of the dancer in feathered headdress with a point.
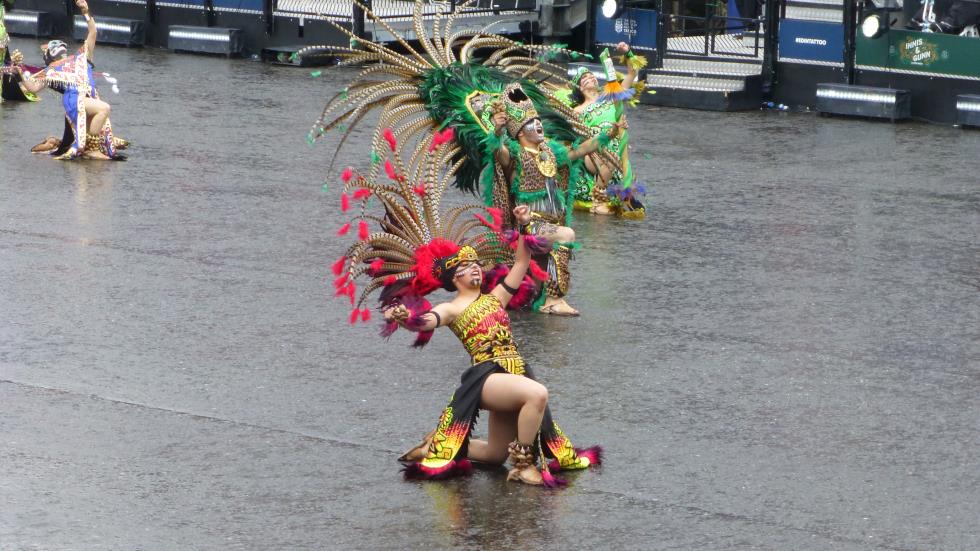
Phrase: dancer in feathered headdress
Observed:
(418, 249)
(442, 84)
(607, 185)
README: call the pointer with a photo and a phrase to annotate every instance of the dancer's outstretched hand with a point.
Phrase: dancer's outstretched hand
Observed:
(523, 214)
(83, 6)
(398, 313)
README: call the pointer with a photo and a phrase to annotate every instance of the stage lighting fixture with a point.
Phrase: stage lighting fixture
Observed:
(874, 25)
(611, 9)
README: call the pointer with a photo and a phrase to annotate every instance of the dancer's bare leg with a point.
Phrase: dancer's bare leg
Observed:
(504, 392)
(602, 172)
(515, 393)
(502, 431)
(97, 112)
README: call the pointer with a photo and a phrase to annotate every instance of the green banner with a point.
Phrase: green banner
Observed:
(918, 51)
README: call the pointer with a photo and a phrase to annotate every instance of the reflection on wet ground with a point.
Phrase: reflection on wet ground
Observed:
(782, 356)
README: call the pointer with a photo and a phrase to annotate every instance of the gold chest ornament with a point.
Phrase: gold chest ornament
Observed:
(544, 158)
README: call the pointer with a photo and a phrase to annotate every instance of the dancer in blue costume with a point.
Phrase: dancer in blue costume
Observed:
(86, 113)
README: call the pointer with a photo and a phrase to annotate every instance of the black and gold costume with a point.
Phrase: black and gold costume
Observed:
(484, 330)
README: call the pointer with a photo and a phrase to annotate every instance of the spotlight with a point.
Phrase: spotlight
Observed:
(612, 9)
(874, 25)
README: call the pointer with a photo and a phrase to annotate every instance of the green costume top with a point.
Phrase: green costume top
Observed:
(600, 117)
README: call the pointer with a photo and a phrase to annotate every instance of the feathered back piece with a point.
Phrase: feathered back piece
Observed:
(397, 248)
(419, 90)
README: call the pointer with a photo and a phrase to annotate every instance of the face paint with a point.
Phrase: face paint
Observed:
(534, 131)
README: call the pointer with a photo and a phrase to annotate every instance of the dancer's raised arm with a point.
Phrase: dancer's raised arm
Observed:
(92, 30)
(522, 258)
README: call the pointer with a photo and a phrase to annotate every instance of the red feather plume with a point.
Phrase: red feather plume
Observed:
(338, 266)
(537, 273)
(340, 281)
(389, 137)
(344, 202)
(344, 229)
(390, 170)
(425, 256)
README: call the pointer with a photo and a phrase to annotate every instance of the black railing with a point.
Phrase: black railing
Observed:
(709, 28)
(479, 8)
(753, 24)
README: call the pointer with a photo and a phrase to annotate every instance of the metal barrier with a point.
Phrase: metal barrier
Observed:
(344, 10)
(700, 34)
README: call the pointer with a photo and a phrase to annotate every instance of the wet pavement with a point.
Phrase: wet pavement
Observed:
(784, 355)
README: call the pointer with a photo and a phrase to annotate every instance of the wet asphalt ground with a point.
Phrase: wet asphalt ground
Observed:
(784, 355)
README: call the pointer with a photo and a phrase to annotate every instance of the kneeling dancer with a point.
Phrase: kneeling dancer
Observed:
(417, 253)
(88, 131)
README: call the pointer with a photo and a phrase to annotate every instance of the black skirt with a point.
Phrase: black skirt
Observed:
(447, 455)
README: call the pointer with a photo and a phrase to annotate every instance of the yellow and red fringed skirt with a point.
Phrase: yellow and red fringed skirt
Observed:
(447, 457)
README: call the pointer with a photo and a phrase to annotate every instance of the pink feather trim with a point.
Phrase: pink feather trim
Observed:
(390, 170)
(344, 202)
(388, 329)
(338, 266)
(551, 481)
(389, 137)
(418, 471)
(344, 229)
(362, 230)
(422, 339)
(492, 225)
(537, 273)
(347, 174)
(376, 266)
(354, 315)
(340, 282)
(527, 291)
(362, 193)
(365, 315)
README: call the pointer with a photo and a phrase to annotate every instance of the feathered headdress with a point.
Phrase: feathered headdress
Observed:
(413, 246)
(440, 83)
